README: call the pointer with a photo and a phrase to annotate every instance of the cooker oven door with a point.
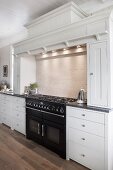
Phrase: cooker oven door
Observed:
(34, 128)
(54, 136)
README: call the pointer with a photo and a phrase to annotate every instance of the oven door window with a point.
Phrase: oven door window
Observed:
(35, 126)
(54, 135)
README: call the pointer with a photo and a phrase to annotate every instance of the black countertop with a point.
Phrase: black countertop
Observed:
(72, 104)
(85, 106)
(13, 94)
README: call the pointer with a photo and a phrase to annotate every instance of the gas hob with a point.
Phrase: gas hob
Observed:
(48, 103)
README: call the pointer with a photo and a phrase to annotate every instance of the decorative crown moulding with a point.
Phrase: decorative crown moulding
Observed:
(61, 45)
(71, 6)
(55, 19)
(92, 28)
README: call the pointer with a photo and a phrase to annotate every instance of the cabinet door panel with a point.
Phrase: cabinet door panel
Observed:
(86, 139)
(87, 157)
(19, 125)
(98, 75)
(86, 126)
(94, 116)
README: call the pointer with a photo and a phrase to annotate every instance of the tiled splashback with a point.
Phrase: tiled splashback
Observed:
(62, 76)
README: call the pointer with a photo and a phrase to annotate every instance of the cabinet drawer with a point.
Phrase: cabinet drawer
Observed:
(6, 98)
(19, 115)
(86, 126)
(19, 108)
(86, 114)
(19, 127)
(6, 121)
(18, 100)
(87, 157)
(88, 140)
(6, 104)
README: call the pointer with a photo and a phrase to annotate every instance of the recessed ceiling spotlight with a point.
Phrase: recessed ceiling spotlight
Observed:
(43, 53)
(64, 49)
(78, 46)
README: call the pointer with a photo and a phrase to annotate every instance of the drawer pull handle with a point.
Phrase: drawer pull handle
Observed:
(83, 125)
(83, 114)
(82, 155)
(91, 74)
(83, 138)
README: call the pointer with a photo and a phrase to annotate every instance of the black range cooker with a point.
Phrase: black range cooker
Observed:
(46, 121)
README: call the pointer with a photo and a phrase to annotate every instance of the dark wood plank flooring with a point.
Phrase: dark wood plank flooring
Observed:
(18, 153)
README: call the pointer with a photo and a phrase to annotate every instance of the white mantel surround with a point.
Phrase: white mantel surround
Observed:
(89, 30)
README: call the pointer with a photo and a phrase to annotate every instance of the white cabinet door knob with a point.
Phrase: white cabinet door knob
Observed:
(82, 155)
(83, 125)
(83, 114)
(83, 138)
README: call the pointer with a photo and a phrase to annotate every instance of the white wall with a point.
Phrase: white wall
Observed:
(6, 56)
(62, 76)
(5, 59)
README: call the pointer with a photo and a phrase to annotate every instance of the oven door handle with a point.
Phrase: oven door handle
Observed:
(46, 112)
(38, 128)
(42, 130)
(52, 113)
(32, 109)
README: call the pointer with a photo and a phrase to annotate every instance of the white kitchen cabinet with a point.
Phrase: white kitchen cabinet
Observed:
(5, 109)
(18, 115)
(90, 145)
(98, 79)
(12, 112)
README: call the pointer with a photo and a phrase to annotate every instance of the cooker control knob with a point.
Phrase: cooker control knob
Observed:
(53, 108)
(36, 105)
(61, 110)
(48, 107)
(44, 106)
(57, 109)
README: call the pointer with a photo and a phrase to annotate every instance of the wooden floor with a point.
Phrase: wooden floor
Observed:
(18, 153)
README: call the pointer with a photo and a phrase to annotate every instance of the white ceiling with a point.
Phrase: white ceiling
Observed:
(14, 14)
